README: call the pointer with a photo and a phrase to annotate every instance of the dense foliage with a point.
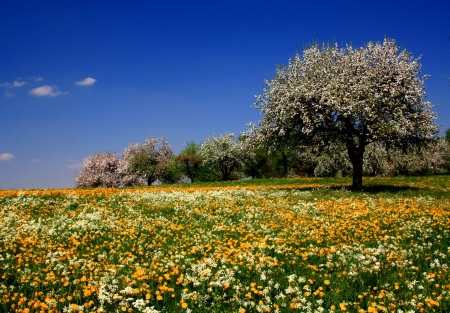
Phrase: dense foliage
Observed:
(238, 159)
(190, 161)
(150, 159)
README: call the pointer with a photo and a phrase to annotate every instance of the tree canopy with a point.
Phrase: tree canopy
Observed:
(223, 155)
(150, 159)
(190, 160)
(354, 96)
(99, 170)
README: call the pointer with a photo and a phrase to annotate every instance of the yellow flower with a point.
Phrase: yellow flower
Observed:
(326, 282)
(342, 306)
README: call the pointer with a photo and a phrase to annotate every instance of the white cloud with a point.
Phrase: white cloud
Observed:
(6, 157)
(45, 91)
(18, 84)
(35, 161)
(86, 82)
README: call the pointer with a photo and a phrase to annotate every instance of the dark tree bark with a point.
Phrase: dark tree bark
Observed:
(357, 162)
(285, 163)
(151, 179)
(356, 150)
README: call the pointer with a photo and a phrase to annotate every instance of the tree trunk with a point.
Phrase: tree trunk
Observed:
(357, 174)
(285, 163)
(190, 171)
(356, 155)
(151, 179)
(225, 173)
(226, 169)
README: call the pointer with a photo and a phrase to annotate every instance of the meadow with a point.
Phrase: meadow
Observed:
(286, 245)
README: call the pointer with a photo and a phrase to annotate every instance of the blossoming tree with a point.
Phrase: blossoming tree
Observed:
(107, 170)
(99, 170)
(150, 159)
(223, 154)
(349, 95)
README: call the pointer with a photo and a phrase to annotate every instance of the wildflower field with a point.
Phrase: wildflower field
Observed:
(298, 245)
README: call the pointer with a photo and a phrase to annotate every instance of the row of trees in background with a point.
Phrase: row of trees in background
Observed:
(153, 160)
(138, 165)
(330, 111)
(229, 158)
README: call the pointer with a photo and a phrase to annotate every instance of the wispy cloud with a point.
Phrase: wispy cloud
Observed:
(36, 78)
(71, 163)
(35, 161)
(86, 82)
(45, 91)
(13, 84)
(8, 94)
(6, 157)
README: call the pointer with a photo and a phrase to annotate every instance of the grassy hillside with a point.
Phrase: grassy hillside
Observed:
(307, 245)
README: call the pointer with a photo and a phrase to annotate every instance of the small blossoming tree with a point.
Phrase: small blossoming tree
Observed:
(223, 154)
(99, 170)
(149, 160)
(353, 96)
(106, 170)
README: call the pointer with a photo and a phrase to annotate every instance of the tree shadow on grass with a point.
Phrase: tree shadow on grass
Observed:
(374, 189)
(386, 189)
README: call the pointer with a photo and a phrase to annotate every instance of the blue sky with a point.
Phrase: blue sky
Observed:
(82, 77)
